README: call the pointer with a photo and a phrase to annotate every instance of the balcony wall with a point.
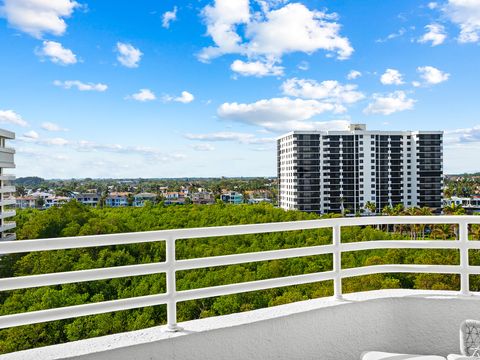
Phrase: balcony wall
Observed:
(409, 321)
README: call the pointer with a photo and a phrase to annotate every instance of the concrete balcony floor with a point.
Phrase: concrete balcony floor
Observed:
(403, 321)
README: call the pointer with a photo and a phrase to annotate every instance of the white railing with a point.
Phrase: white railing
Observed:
(172, 265)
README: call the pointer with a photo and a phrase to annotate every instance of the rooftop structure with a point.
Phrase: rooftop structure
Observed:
(340, 171)
(7, 189)
(338, 327)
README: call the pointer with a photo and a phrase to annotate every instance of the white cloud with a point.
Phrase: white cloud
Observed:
(468, 135)
(168, 17)
(56, 53)
(432, 75)
(416, 83)
(49, 126)
(329, 90)
(221, 20)
(391, 77)
(242, 138)
(389, 104)
(204, 147)
(37, 17)
(466, 14)
(128, 55)
(11, 117)
(90, 146)
(256, 68)
(354, 74)
(278, 114)
(432, 5)
(304, 65)
(271, 33)
(68, 84)
(143, 95)
(435, 34)
(31, 134)
(56, 141)
(392, 36)
(184, 98)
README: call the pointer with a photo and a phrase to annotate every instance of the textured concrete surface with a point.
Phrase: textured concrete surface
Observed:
(400, 321)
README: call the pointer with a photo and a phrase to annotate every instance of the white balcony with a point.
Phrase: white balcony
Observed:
(7, 189)
(338, 327)
(7, 214)
(7, 225)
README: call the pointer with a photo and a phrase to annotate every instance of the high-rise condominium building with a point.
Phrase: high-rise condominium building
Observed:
(7, 190)
(348, 171)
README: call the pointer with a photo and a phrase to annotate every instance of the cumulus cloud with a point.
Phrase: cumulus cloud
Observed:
(389, 104)
(271, 33)
(184, 98)
(56, 53)
(435, 34)
(38, 17)
(128, 55)
(31, 134)
(278, 114)
(391, 77)
(143, 95)
(242, 138)
(354, 74)
(329, 90)
(256, 68)
(465, 14)
(467, 135)
(49, 126)
(68, 84)
(11, 117)
(432, 75)
(168, 17)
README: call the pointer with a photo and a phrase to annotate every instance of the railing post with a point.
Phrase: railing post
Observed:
(465, 274)
(337, 262)
(171, 286)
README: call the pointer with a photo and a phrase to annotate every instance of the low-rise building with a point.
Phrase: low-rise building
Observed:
(89, 199)
(259, 200)
(203, 198)
(117, 199)
(25, 202)
(140, 199)
(232, 197)
(55, 201)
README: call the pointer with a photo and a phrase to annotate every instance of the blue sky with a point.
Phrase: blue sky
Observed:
(202, 88)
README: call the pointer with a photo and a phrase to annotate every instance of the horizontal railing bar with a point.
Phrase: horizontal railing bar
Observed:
(31, 281)
(394, 268)
(149, 236)
(253, 286)
(400, 244)
(68, 312)
(189, 264)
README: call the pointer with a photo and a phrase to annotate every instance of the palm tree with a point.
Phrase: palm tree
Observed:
(371, 207)
(424, 211)
(454, 210)
(441, 231)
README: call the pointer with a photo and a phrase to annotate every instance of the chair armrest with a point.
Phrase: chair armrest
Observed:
(470, 338)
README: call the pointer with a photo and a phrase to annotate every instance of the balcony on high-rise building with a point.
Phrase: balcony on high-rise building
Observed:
(341, 326)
